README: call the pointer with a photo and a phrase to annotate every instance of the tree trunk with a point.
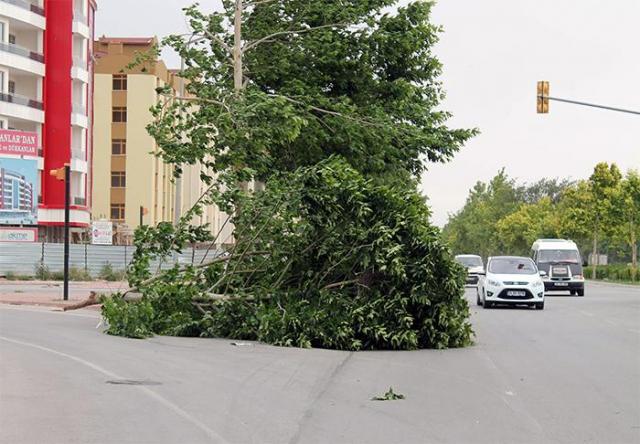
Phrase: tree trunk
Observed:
(595, 256)
(634, 253)
(237, 47)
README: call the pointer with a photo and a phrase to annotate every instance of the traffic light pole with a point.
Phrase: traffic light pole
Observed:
(67, 203)
(593, 105)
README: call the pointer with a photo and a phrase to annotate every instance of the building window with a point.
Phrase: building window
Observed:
(118, 147)
(119, 114)
(118, 179)
(12, 87)
(120, 82)
(117, 211)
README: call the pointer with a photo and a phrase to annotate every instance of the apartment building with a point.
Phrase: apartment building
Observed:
(45, 98)
(128, 176)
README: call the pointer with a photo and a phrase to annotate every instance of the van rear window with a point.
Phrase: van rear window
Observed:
(566, 256)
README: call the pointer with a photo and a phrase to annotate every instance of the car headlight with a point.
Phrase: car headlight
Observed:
(538, 284)
(494, 283)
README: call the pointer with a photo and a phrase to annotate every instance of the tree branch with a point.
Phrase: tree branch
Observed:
(258, 3)
(255, 43)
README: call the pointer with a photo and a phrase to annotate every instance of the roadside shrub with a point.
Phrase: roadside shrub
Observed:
(78, 274)
(42, 272)
(323, 258)
(109, 274)
(613, 272)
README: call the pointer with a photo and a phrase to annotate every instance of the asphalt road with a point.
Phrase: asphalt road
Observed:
(568, 374)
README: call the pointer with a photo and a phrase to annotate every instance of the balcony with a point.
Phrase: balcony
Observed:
(21, 100)
(79, 108)
(21, 59)
(80, 24)
(26, 5)
(80, 62)
(79, 16)
(19, 107)
(19, 50)
(78, 153)
(79, 69)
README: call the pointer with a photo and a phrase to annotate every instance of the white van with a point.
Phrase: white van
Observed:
(562, 263)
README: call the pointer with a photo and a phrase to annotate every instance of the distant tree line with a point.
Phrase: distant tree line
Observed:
(601, 214)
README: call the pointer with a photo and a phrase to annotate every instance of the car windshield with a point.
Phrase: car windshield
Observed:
(570, 256)
(512, 266)
(469, 261)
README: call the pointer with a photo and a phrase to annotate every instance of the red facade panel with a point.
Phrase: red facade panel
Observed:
(57, 96)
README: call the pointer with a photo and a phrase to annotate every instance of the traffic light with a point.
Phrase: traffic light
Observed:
(58, 173)
(543, 97)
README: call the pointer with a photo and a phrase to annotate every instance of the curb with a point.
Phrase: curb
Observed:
(613, 284)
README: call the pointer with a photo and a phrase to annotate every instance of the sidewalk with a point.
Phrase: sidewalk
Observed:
(49, 293)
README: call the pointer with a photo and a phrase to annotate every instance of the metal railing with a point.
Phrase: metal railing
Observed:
(26, 5)
(78, 153)
(80, 16)
(21, 100)
(19, 50)
(80, 62)
(79, 108)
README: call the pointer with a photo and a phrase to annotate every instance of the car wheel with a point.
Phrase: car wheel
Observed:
(572, 292)
(540, 305)
(487, 304)
(581, 292)
(478, 301)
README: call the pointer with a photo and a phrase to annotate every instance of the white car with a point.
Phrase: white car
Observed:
(511, 280)
(473, 264)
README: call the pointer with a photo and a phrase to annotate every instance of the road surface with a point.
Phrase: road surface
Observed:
(568, 374)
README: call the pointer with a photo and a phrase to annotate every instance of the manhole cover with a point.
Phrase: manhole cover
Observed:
(133, 382)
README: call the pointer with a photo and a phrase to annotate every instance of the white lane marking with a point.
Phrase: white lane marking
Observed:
(586, 313)
(171, 406)
(49, 310)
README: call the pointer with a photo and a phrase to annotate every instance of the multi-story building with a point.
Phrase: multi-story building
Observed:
(46, 90)
(16, 194)
(128, 176)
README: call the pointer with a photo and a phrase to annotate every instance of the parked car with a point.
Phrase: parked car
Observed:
(561, 260)
(474, 266)
(511, 280)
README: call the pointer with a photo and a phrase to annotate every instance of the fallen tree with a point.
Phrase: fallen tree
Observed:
(334, 107)
(299, 275)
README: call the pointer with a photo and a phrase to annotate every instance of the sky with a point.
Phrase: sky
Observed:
(494, 52)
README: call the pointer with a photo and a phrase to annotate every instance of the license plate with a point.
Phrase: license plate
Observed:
(516, 293)
(561, 284)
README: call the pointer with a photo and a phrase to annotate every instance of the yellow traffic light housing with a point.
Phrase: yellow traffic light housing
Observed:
(543, 97)
(58, 174)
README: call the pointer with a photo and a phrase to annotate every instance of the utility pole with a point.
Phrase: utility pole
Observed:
(237, 46)
(177, 203)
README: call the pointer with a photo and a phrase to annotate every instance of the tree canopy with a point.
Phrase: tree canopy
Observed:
(600, 213)
(318, 79)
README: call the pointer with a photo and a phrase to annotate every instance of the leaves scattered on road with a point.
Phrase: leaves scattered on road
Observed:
(389, 396)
